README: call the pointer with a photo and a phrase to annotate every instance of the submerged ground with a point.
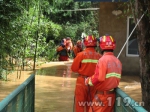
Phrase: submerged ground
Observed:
(54, 86)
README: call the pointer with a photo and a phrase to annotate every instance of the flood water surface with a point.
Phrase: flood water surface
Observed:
(55, 88)
(55, 84)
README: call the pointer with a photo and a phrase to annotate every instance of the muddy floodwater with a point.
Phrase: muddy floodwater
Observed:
(55, 84)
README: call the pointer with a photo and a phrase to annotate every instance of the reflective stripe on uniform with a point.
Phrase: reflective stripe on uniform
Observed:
(89, 61)
(113, 75)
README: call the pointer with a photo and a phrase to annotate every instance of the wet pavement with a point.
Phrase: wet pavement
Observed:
(54, 87)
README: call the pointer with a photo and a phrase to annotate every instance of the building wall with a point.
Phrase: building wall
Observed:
(117, 27)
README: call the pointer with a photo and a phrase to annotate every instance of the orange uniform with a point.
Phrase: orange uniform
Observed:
(84, 64)
(76, 50)
(106, 78)
(63, 54)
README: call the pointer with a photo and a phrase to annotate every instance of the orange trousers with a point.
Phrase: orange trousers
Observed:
(83, 95)
(103, 103)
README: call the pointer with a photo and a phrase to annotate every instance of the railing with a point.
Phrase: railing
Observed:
(124, 103)
(21, 99)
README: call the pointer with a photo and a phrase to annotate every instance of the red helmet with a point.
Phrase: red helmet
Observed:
(90, 40)
(107, 42)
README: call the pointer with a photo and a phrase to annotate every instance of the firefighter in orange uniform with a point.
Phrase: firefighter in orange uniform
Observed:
(106, 77)
(84, 64)
(62, 51)
(77, 48)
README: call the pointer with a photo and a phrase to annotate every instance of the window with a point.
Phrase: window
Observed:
(132, 45)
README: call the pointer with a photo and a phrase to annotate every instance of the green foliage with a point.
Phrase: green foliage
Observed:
(39, 25)
(69, 30)
(50, 51)
(64, 11)
(73, 22)
(53, 31)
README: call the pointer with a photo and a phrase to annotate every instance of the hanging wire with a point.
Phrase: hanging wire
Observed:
(90, 9)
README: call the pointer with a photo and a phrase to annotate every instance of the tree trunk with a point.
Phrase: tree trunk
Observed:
(143, 37)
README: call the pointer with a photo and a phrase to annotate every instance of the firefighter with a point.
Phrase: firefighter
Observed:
(77, 48)
(84, 64)
(62, 51)
(106, 77)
